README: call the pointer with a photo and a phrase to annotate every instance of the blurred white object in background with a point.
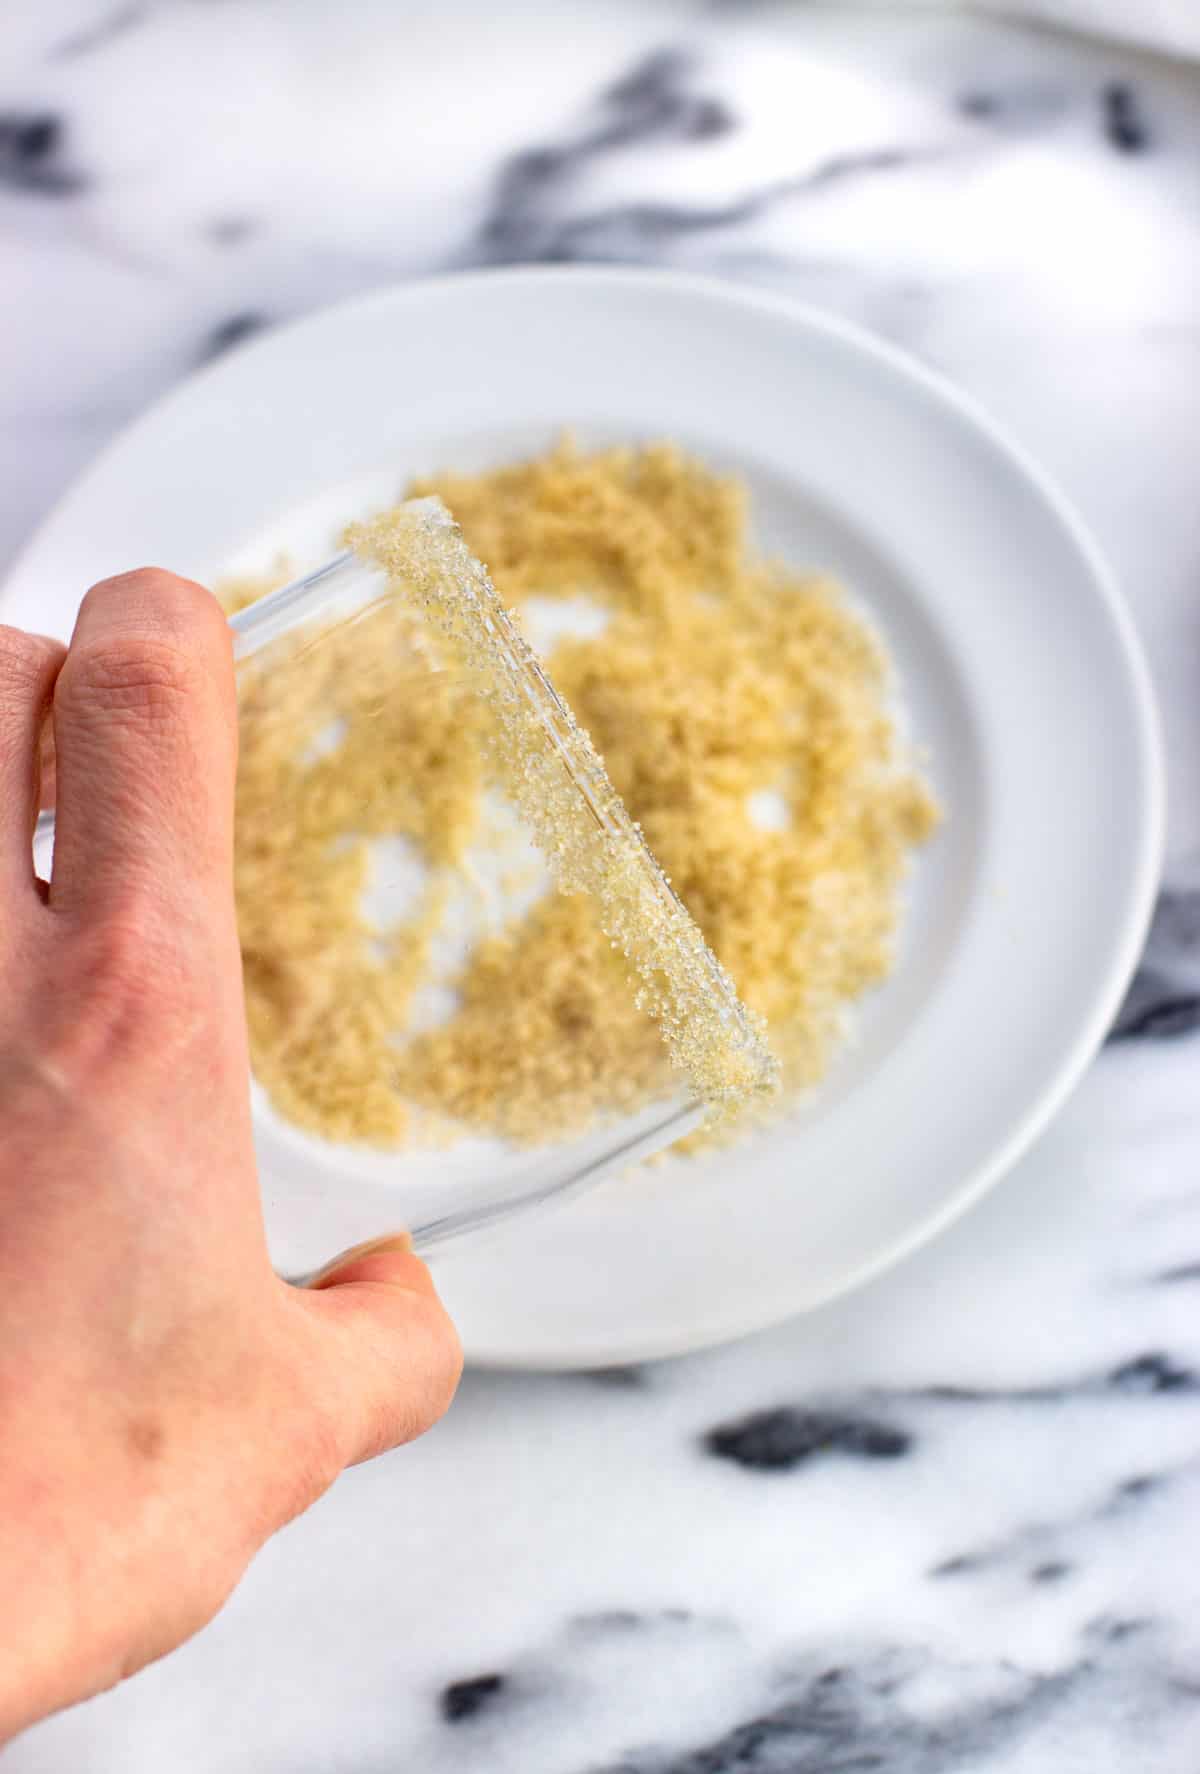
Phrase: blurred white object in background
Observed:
(1172, 27)
(1169, 27)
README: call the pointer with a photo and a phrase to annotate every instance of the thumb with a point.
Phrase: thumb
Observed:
(394, 1357)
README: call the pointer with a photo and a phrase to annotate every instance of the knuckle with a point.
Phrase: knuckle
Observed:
(134, 952)
(24, 659)
(145, 641)
(17, 663)
(129, 672)
(129, 994)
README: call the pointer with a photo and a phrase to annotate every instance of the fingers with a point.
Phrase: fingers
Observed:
(145, 732)
(394, 1354)
(29, 666)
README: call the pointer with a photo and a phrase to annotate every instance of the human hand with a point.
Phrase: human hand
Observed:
(166, 1402)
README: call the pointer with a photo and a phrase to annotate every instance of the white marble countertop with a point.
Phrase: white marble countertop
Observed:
(951, 1522)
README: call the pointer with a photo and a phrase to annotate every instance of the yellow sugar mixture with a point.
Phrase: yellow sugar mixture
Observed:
(720, 686)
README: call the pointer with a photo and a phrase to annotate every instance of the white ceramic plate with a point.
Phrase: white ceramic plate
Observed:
(1021, 673)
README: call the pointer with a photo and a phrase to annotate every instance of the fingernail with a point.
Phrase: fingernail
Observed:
(398, 1242)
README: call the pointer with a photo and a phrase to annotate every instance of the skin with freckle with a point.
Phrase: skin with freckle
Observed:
(166, 1402)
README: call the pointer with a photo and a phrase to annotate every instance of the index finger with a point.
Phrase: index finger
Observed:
(145, 733)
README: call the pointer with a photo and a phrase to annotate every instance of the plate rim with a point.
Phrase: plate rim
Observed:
(1146, 732)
